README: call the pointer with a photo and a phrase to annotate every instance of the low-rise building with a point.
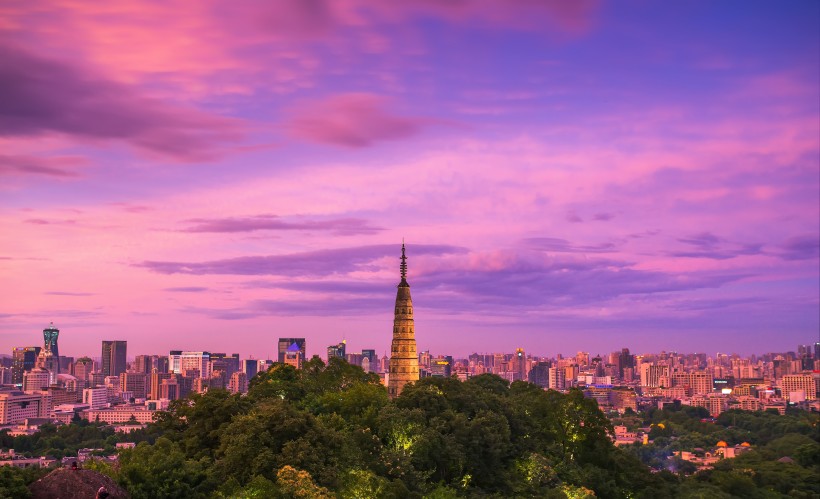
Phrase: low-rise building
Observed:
(120, 414)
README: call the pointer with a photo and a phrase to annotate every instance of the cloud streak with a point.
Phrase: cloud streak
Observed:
(340, 226)
(351, 120)
(310, 263)
(57, 167)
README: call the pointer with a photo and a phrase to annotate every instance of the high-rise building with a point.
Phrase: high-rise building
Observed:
(23, 359)
(113, 357)
(336, 350)
(162, 364)
(354, 359)
(372, 360)
(196, 364)
(654, 376)
(698, 382)
(804, 383)
(170, 389)
(238, 383)
(143, 364)
(285, 345)
(250, 367)
(294, 356)
(82, 369)
(49, 356)
(156, 380)
(519, 365)
(404, 362)
(135, 383)
(441, 366)
(539, 374)
(625, 360)
(557, 378)
(228, 364)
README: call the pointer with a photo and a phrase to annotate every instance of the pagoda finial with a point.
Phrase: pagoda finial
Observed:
(403, 266)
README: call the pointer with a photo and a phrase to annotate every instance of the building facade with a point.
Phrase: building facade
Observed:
(113, 357)
(285, 344)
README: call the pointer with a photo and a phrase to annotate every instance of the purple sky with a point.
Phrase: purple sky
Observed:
(567, 175)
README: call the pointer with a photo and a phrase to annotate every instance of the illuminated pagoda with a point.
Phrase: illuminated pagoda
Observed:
(404, 363)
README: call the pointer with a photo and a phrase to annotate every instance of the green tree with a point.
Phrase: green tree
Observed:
(298, 484)
(14, 482)
(162, 471)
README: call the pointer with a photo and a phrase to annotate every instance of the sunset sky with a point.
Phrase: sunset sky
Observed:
(566, 175)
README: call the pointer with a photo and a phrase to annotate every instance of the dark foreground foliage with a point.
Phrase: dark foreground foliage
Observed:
(331, 431)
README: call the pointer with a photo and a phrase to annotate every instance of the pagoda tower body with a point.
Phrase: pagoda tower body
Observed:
(404, 363)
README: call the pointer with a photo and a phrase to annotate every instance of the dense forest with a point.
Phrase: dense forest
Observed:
(331, 431)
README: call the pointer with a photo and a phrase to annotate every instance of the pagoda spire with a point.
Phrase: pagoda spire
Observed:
(403, 266)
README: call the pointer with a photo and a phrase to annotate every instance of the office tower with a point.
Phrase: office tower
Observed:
(170, 389)
(404, 362)
(82, 369)
(798, 387)
(113, 357)
(557, 378)
(285, 344)
(264, 365)
(519, 365)
(49, 357)
(192, 364)
(372, 360)
(23, 359)
(425, 359)
(354, 359)
(228, 364)
(654, 376)
(162, 364)
(156, 380)
(134, 383)
(539, 374)
(294, 356)
(625, 360)
(441, 366)
(250, 367)
(238, 383)
(143, 364)
(698, 382)
(66, 364)
(336, 350)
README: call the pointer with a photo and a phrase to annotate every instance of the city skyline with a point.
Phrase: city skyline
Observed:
(568, 176)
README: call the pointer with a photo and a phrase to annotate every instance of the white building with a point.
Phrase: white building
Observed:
(182, 361)
(95, 397)
(556, 378)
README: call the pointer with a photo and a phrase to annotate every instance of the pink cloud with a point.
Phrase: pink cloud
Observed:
(52, 166)
(86, 106)
(352, 120)
(209, 47)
